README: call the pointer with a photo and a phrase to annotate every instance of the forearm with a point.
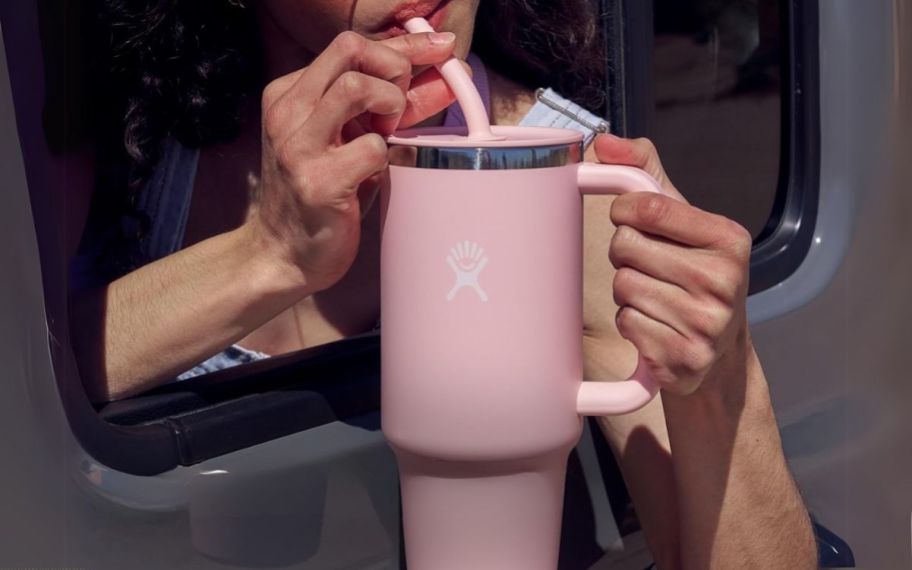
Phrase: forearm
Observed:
(738, 506)
(165, 317)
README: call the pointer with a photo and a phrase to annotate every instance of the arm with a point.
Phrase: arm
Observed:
(165, 317)
(301, 235)
(704, 466)
(738, 503)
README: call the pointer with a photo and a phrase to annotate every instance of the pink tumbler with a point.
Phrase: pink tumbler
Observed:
(481, 288)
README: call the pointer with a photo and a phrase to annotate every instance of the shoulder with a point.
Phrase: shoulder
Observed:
(515, 104)
(510, 101)
(551, 109)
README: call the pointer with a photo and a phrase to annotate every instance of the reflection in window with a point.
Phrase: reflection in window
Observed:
(718, 103)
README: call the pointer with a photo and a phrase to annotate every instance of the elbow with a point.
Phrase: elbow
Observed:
(807, 550)
(86, 329)
(797, 546)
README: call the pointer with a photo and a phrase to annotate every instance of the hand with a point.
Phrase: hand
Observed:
(323, 130)
(682, 275)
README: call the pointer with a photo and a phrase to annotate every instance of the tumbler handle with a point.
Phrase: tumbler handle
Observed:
(611, 398)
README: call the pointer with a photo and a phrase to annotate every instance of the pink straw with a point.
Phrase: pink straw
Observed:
(461, 84)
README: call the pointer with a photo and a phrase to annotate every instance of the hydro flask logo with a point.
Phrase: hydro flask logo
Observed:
(467, 260)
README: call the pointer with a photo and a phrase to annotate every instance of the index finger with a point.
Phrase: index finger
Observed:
(389, 60)
(641, 153)
(664, 216)
(423, 48)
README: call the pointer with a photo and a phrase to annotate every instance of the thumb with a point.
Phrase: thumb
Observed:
(641, 153)
(427, 95)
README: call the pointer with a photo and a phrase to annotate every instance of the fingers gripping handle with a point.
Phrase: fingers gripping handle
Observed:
(611, 398)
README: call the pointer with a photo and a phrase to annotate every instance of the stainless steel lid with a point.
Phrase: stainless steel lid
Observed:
(519, 148)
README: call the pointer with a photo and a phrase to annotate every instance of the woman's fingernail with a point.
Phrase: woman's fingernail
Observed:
(442, 38)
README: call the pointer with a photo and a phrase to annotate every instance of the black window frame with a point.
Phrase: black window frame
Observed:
(785, 240)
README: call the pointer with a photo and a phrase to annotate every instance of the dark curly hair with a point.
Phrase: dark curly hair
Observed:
(187, 68)
(545, 43)
(180, 68)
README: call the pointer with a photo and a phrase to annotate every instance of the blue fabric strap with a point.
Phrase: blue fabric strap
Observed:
(166, 200)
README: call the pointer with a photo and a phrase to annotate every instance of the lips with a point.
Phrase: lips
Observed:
(431, 10)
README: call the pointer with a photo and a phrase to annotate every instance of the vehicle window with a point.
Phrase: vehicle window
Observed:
(716, 75)
(718, 103)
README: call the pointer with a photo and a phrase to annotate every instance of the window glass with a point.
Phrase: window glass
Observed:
(716, 122)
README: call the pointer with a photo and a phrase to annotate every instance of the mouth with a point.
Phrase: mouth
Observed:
(433, 11)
